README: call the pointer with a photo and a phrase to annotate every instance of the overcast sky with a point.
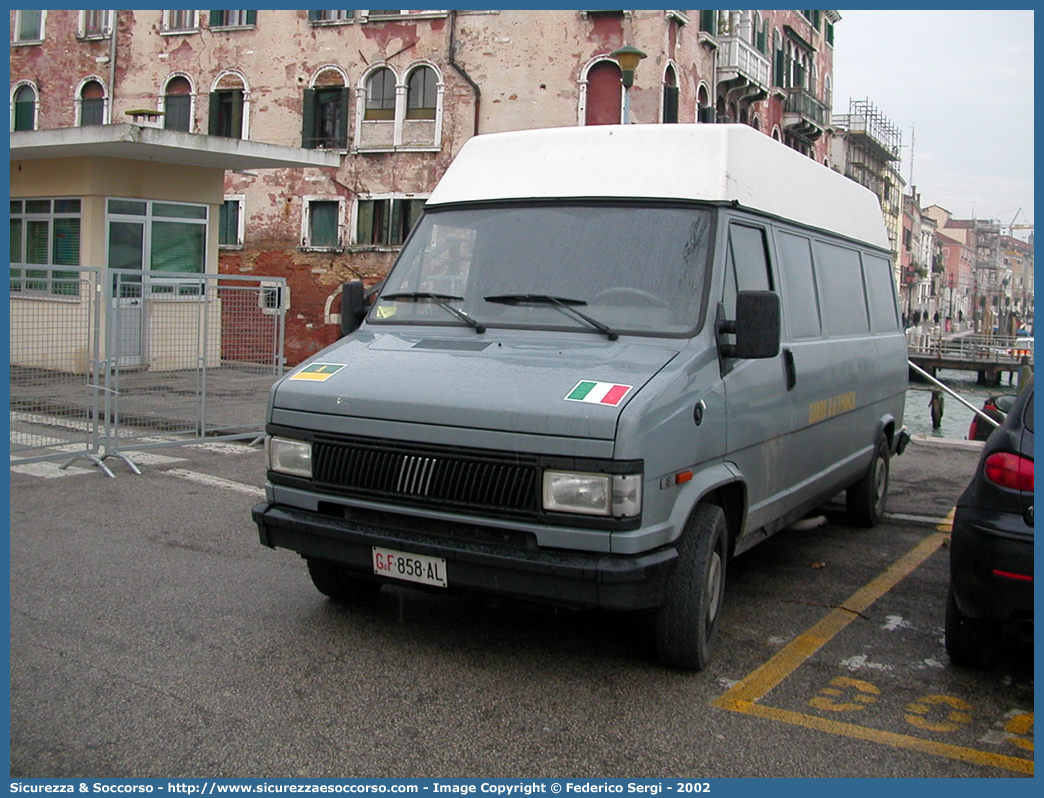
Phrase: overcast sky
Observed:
(959, 87)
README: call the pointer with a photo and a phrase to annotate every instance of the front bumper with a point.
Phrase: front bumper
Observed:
(983, 543)
(564, 578)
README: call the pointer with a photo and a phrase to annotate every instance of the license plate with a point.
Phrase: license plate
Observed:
(409, 567)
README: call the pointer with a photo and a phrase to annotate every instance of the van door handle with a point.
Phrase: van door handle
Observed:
(788, 362)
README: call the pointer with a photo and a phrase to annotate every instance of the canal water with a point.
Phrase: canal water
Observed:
(956, 417)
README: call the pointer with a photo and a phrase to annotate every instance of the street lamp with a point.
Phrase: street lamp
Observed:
(627, 57)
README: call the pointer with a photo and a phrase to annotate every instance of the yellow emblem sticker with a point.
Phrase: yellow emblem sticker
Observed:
(318, 372)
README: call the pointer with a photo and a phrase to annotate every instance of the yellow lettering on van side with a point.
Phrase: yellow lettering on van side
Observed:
(828, 408)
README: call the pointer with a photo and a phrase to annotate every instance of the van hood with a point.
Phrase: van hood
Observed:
(532, 386)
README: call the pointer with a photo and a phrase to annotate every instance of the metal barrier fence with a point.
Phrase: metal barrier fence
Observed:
(971, 347)
(131, 360)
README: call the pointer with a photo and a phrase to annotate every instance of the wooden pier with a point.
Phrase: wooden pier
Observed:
(988, 355)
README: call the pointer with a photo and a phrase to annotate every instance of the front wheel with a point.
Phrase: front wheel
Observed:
(865, 501)
(687, 622)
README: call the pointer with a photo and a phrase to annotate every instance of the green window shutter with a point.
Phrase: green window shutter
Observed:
(228, 223)
(314, 16)
(779, 69)
(25, 109)
(323, 224)
(364, 228)
(236, 131)
(396, 233)
(342, 132)
(308, 119)
(670, 104)
(251, 18)
(217, 18)
(214, 121)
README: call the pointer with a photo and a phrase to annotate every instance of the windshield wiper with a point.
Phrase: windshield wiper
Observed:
(562, 303)
(442, 300)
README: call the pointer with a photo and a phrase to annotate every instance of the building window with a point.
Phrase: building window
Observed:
(380, 95)
(709, 22)
(228, 107)
(230, 223)
(603, 95)
(23, 111)
(92, 104)
(670, 96)
(422, 94)
(330, 16)
(45, 233)
(177, 104)
(322, 224)
(179, 22)
(95, 24)
(161, 237)
(29, 26)
(233, 19)
(325, 113)
(386, 222)
(394, 13)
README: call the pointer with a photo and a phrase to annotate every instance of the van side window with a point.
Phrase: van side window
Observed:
(840, 279)
(747, 267)
(800, 297)
(883, 314)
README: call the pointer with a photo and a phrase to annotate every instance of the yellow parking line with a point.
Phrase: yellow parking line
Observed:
(743, 697)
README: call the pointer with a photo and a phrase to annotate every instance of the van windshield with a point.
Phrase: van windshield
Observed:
(583, 267)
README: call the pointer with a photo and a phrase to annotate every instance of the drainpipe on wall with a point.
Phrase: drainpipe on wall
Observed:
(112, 68)
(453, 62)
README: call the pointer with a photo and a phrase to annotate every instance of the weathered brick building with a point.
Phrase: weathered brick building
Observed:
(397, 93)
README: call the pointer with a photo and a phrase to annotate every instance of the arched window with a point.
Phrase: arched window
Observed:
(421, 93)
(704, 112)
(23, 116)
(92, 104)
(380, 95)
(325, 119)
(604, 94)
(228, 107)
(670, 95)
(177, 104)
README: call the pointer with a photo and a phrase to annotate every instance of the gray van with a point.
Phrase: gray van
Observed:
(606, 361)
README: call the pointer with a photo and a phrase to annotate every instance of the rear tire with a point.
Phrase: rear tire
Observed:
(969, 641)
(687, 622)
(866, 500)
(340, 583)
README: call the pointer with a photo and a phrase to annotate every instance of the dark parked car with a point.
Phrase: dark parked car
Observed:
(997, 408)
(991, 550)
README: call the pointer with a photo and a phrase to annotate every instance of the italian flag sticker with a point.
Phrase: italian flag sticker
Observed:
(598, 393)
(318, 372)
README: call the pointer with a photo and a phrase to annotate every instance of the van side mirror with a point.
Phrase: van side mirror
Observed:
(756, 326)
(353, 306)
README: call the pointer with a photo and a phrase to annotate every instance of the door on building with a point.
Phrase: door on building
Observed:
(127, 258)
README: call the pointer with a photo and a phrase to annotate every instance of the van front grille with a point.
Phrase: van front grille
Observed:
(442, 477)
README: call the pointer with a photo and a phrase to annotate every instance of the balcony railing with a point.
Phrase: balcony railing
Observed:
(738, 58)
(800, 102)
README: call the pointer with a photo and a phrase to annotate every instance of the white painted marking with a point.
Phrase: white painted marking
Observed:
(893, 622)
(224, 447)
(217, 482)
(50, 470)
(859, 662)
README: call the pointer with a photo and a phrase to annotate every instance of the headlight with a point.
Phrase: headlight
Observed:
(289, 456)
(593, 494)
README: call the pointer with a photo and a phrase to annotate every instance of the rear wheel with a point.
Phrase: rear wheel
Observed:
(865, 501)
(340, 583)
(688, 620)
(969, 641)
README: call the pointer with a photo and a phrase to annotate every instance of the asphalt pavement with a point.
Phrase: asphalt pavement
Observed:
(152, 636)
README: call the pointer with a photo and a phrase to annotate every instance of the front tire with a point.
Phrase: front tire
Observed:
(339, 583)
(866, 500)
(688, 620)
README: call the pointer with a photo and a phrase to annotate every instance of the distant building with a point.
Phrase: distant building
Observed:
(396, 94)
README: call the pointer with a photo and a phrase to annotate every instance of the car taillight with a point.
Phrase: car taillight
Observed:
(1009, 471)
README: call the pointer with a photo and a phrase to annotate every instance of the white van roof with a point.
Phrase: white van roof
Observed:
(677, 162)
